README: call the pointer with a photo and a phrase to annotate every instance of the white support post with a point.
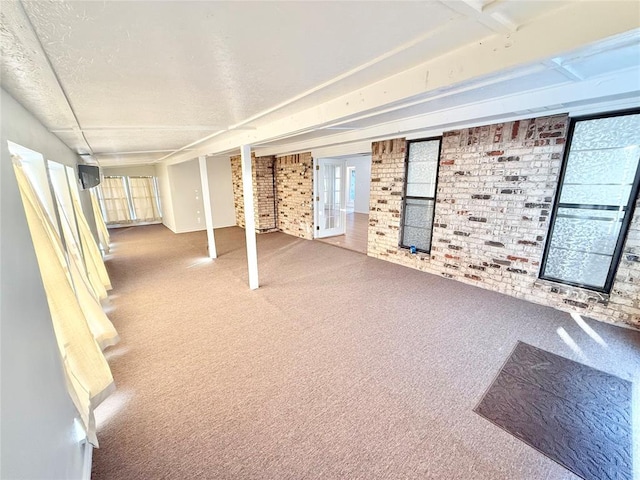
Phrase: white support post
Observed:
(249, 216)
(206, 200)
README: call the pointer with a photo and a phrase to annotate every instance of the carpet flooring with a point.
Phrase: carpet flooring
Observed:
(339, 367)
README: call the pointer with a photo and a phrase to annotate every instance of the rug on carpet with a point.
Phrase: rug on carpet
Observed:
(576, 415)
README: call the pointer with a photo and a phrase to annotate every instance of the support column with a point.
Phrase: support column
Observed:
(249, 218)
(206, 200)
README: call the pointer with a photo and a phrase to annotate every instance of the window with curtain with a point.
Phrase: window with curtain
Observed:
(421, 166)
(129, 199)
(81, 327)
(598, 189)
(103, 232)
(95, 267)
(144, 198)
(115, 200)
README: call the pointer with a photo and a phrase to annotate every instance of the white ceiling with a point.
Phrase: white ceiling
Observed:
(134, 82)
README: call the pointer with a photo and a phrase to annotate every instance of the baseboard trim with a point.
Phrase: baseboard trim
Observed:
(133, 224)
(86, 461)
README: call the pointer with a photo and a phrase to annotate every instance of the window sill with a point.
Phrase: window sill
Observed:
(572, 292)
(419, 253)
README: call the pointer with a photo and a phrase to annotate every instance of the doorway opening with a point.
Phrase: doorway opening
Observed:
(341, 190)
(351, 189)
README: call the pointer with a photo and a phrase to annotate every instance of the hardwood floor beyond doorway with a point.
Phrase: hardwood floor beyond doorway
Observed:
(356, 237)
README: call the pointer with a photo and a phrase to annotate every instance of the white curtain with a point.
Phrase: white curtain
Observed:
(96, 270)
(82, 272)
(116, 200)
(129, 199)
(103, 232)
(143, 198)
(75, 318)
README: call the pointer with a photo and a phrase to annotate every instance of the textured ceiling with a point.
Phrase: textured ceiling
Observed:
(25, 71)
(132, 81)
(211, 63)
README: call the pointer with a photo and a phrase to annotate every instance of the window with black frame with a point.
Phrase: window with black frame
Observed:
(594, 204)
(423, 157)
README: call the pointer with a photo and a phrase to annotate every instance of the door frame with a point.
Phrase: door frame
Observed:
(347, 193)
(316, 195)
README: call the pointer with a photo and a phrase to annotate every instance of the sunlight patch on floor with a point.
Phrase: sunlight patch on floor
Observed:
(115, 352)
(108, 409)
(566, 338)
(200, 262)
(588, 330)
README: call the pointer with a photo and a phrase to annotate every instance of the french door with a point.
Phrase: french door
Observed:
(330, 183)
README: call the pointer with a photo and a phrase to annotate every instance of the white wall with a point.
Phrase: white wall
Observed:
(363, 181)
(37, 417)
(166, 202)
(221, 192)
(181, 195)
(186, 195)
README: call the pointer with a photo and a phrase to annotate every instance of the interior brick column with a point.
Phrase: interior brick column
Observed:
(294, 180)
(263, 192)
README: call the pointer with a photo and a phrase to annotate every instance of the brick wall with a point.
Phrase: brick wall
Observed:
(294, 181)
(495, 191)
(263, 192)
(294, 194)
(238, 199)
(385, 201)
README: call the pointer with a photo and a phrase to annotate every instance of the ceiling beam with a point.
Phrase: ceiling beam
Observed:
(531, 43)
(566, 70)
(423, 39)
(619, 87)
(142, 128)
(137, 152)
(489, 17)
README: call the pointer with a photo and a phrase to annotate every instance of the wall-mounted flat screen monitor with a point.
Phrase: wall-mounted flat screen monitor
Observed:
(89, 175)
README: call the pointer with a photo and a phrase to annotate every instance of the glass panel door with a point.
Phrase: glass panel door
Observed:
(331, 198)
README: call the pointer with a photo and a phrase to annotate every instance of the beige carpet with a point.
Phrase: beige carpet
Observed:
(339, 367)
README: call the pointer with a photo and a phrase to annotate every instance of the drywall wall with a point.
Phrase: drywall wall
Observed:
(37, 430)
(186, 194)
(221, 192)
(363, 182)
(166, 202)
(139, 171)
(181, 195)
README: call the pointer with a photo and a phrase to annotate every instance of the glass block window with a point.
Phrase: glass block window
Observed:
(597, 192)
(423, 157)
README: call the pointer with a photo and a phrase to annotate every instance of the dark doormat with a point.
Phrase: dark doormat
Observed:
(576, 415)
